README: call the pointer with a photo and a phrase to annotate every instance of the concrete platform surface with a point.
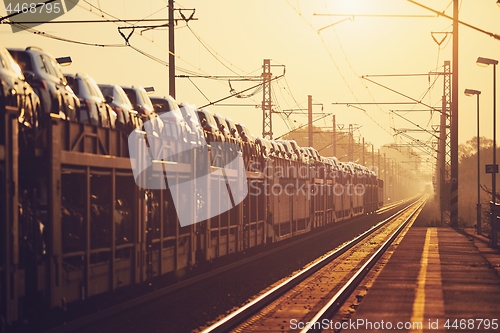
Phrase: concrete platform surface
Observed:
(437, 280)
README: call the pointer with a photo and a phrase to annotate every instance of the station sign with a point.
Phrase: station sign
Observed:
(491, 168)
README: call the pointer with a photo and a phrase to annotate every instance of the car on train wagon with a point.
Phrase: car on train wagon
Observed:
(169, 112)
(298, 151)
(44, 74)
(93, 107)
(264, 147)
(17, 92)
(233, 129)
(140, 100)
(273, 148)
(314, 154)
(245, 133)
(126, 116)
(289, 150)
(223, 127)
(141, 103)
(282, 150)
(209, 125)
(306, 157)
(195, 130)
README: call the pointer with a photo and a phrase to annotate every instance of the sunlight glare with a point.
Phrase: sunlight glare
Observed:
(354, 6)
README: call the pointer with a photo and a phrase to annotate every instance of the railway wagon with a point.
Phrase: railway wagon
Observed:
(287, 194)
(370, 190)
(9, 221)
(78, 225)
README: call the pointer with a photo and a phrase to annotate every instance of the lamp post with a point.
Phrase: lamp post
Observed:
(472, 92)
(486, 62)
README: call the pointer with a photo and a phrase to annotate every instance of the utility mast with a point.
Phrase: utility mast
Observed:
(171, 49)
(334, 138)
(309, 121)
(267, 105)
(454, 123)
(444, 148)
(350, 146)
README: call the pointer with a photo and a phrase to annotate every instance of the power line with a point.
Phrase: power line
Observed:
(236, 93)
(89, 21)
(224, 77)
(203, 43)
(67, 40)
(201, 92)
(338, 68)
(164, 63)
(377, 15)
(461, 22)
(288, 122)
(399, 93)
(302, 126)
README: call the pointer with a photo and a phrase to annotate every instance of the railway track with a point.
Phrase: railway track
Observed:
(105, 313)
(315, 293)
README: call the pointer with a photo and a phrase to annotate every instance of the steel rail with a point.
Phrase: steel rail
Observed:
(327, 311)
(238, 316)
(78, 323)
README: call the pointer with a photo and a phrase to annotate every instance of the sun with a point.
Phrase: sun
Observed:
(352, 6)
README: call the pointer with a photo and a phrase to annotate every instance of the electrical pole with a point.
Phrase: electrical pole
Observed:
(171, 49)
(334, 138)
(309, 120)
(393, 180)
(441, 162)
(396, 180)
(386, 183)
(267, 120)
(454, 123)
(400, 181)
(363, 151)
(378, 170)
(445, 150)
(373, 157)
(350, 152)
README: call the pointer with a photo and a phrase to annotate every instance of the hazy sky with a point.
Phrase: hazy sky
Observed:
(232, 37)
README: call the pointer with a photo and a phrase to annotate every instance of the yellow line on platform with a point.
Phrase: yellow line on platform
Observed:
(419, 302)
(430, 276)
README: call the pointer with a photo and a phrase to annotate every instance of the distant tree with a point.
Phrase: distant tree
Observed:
(467, 178)
(469, 148)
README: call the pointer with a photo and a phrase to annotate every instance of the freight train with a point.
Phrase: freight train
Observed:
(77, 220)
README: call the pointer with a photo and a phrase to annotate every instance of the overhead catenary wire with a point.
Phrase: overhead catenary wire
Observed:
(495, 36)
(427, 93)
(84, 21)
(242, 91)
(279, 87)
(290, 93)
(208, 48)
(399, 93)
(361, 82)
(415, 100)
(284, 118)
(201, 92)
(302, 126)
(351, 89)
(107, 17)
(62, 39)
(142, 36)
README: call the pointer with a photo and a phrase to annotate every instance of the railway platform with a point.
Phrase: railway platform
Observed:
(437, 280)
